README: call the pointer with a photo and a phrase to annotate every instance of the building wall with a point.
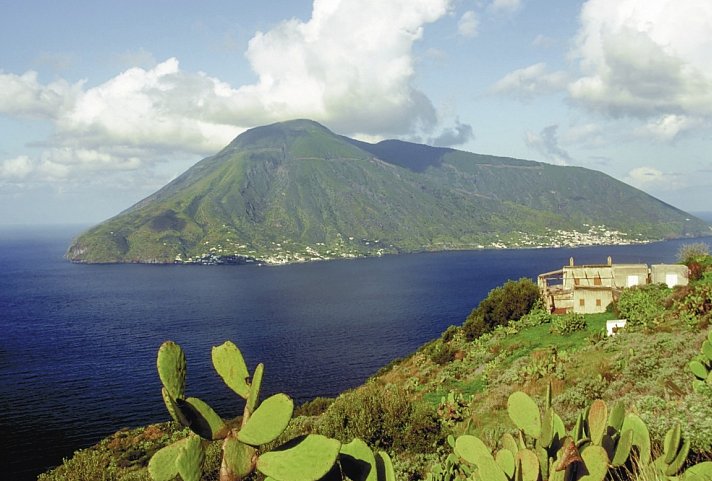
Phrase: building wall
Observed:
(629, 275)
(670, 274)
(591, 301)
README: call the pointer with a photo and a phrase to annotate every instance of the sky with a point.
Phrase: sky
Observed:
(104, 102)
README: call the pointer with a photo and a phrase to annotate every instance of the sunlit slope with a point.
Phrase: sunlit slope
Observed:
(294, 191)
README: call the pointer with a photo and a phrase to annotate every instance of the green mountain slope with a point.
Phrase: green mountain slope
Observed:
(295, 191)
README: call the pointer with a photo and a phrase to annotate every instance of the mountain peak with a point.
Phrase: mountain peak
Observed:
(294, 191)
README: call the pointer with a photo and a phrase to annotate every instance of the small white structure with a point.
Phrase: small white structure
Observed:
(613, 326)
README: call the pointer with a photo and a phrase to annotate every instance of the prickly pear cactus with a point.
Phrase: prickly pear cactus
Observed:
(302, 459)
(701, 367)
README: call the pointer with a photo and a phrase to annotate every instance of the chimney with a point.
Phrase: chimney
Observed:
(571, 261)
(610, 261)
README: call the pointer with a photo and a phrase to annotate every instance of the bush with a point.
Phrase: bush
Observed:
(693, 252)
(442, 354)
(568, 323)
(384, 417)
(503, 304)
(314, 407)
(643, 305)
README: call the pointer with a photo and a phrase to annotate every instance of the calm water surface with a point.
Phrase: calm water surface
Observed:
(78, 342)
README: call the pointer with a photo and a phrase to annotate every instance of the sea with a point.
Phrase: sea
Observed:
(78, 342)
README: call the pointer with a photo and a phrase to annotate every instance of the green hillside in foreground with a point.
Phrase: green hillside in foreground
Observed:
(651, 378)
(295, 191)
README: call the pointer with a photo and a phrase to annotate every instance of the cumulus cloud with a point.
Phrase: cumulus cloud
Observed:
(668, 127)
(17, 168)
(650, 178)
(531, 81)
(546, 143)
(468, 24)
(645, 58)
(351, 66)
(457, 135)
(160, 107)
(24, 96)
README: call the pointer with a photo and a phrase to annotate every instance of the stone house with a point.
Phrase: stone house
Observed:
(588, 289)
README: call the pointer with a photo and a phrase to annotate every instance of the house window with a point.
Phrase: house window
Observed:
(582, 302)
(671, 280)
(598, 303)
(632, 281)
(597, 280)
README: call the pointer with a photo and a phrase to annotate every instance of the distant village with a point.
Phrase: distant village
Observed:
(279, 253)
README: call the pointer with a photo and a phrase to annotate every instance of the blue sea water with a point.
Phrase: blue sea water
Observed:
(78, 342)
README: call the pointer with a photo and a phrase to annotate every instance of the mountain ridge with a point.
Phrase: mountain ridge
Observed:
(295, 191)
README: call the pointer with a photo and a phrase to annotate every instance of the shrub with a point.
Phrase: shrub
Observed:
(568, 323)
(693, 252)
(314, 407)
(503, 304)
(384, 417)
(643, 305)
(442, 354)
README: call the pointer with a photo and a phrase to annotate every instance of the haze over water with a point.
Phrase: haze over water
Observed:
(78, 343)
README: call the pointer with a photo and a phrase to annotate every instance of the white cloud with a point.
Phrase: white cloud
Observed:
(24, 96)
(351, 66)
(17, 168)
(531, 81)
(650, 178)
(161, 107)
(668, 127)
(506, 5)
(468, 24)
(546, 143)
(645, 58)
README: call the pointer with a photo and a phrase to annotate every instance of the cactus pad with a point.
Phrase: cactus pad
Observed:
(202, 420)
(671, 443)
(162, 466)
(698, 369)
(474, 451)
(230, 365)
(505, 461)
(303, 459)
(707, 349)
(699, 472)
(595, 460)
(507, 441)
(268, 421)
(641, 436)
(190, 459)
(597, 421)
(524, 413)
(385, 467)
(622, 448)
(616, 417)
(680, 458)
(529, 465)
(238, 458)
(254, 397)
(171, 368)
(358, 462)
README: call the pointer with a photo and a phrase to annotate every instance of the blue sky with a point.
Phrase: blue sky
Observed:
(103, 102)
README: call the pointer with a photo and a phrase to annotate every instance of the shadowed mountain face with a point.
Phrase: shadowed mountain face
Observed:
(295, 191)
